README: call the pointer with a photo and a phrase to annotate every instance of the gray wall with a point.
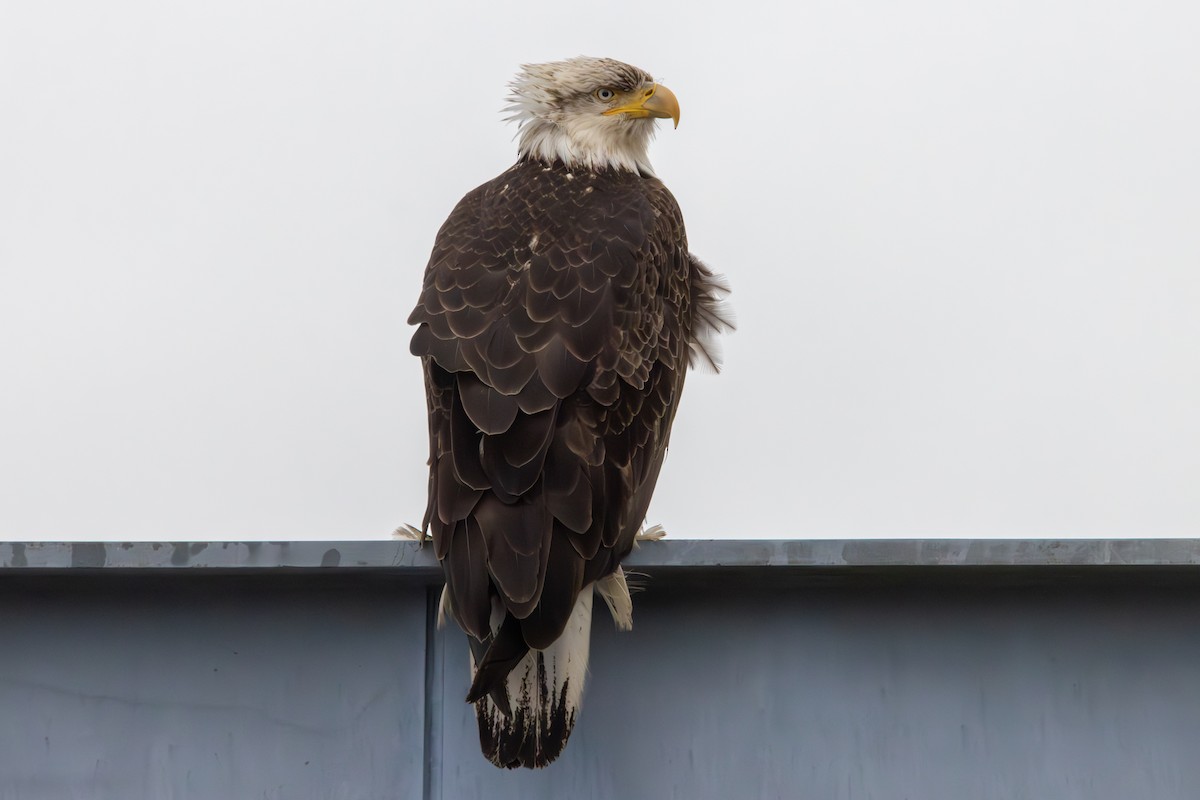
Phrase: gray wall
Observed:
(886, 681)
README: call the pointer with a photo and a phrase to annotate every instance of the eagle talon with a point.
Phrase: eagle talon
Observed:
(408, 532)
(655, 533)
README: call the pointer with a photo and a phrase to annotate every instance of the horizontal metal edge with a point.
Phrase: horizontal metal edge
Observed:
(280, 555)
(410, 557)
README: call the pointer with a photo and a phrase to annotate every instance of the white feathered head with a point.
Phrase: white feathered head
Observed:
(593, 113)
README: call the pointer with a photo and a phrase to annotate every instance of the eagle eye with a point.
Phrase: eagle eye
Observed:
(605, 94)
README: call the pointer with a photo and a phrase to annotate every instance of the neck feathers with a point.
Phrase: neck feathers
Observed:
(597, 147)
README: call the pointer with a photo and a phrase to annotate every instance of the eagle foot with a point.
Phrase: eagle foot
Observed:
(406, 531)
(655, 533)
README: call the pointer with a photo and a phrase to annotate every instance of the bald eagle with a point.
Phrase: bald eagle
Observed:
(558, 315)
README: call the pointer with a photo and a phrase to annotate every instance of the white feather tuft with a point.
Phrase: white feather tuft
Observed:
(615, 593)
(443, 611)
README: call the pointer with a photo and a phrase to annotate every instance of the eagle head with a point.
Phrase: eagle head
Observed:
(593, 113)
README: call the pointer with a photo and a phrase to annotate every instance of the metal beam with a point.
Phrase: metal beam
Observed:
(410, 557)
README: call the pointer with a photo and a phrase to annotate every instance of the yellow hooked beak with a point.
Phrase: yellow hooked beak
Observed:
(654, 101)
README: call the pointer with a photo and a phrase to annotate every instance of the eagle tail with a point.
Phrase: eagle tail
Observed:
(543, 693)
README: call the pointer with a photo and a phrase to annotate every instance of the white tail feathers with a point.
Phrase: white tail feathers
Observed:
(544, 694)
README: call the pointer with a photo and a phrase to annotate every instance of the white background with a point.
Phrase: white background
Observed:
(964, 240)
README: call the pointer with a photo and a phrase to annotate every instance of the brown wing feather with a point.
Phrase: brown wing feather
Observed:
(554, 322)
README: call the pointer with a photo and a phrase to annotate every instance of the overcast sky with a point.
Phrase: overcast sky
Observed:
(964, 240)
